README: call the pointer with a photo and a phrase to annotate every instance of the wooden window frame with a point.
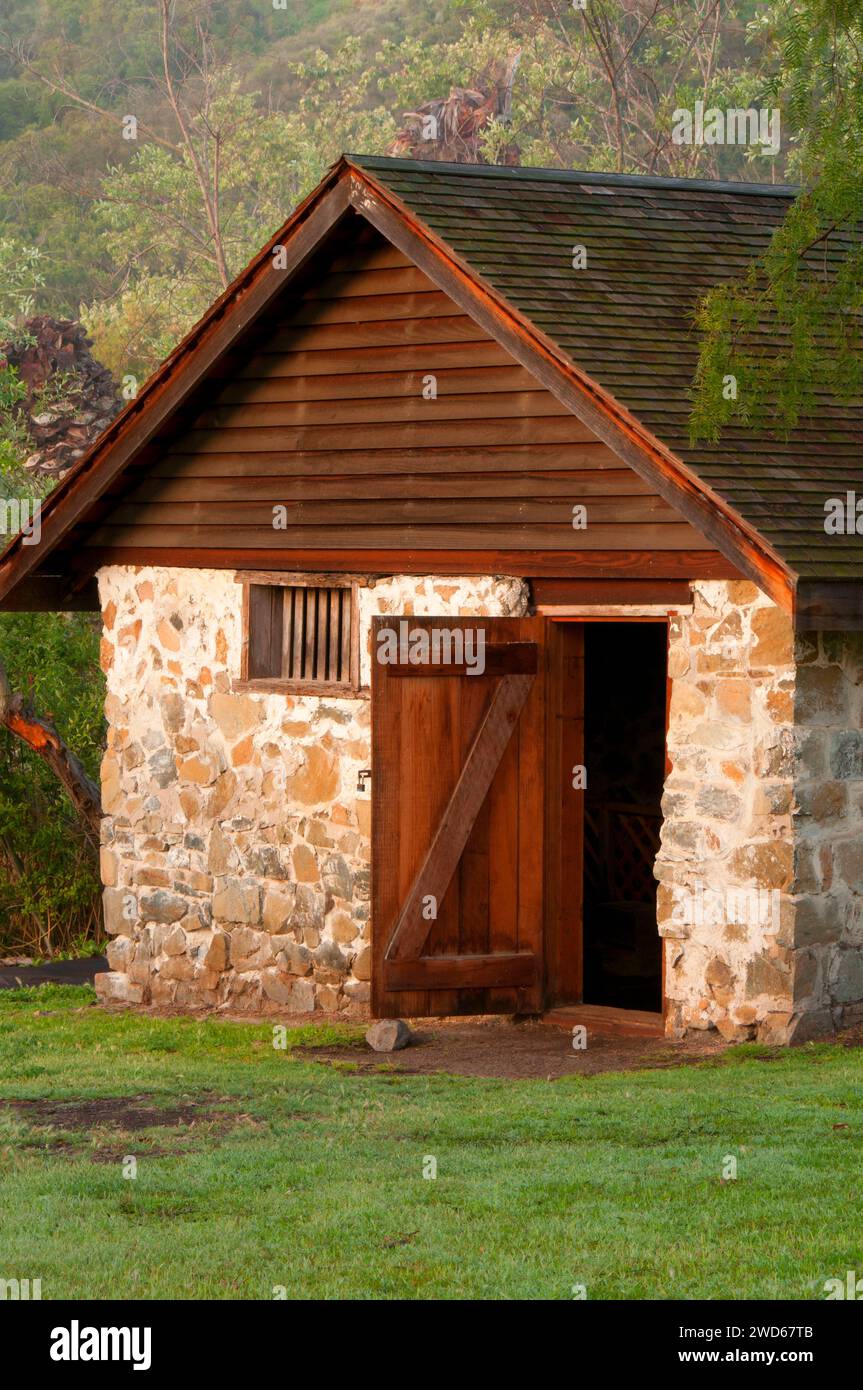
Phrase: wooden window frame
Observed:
(276, 685)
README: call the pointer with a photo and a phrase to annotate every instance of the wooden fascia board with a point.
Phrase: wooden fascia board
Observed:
(594, 406)
(179, 375)
(604, 564)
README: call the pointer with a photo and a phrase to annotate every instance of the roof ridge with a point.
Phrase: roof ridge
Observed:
(431, 166)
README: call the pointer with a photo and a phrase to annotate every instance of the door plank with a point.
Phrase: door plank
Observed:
(506, 969)
(455, 827)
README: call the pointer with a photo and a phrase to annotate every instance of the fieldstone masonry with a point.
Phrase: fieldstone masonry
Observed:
(236, 847)
(762, 822)
(235, 844)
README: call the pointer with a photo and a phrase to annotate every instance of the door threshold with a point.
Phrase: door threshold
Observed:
(606, 1021)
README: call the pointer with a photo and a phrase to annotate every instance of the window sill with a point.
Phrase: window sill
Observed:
(273, 686)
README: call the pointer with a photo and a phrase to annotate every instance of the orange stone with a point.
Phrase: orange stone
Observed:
(189, 803)
(222, 793)
(772, 630)
(780, 706)
(195, 770)
(317, 781)
(734, 772)
(305, 864)
(734, 698)
(242, 753)
(742, 591)
(295, 728)
(168, 636)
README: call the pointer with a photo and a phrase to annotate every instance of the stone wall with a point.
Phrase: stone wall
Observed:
(761, 865)
(727, 811)
(828, 832)
(235, 844)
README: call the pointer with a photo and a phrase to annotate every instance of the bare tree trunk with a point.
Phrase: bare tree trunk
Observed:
(42, 737)
(209, 194)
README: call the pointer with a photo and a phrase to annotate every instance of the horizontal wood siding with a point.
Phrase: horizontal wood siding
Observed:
(323, 412)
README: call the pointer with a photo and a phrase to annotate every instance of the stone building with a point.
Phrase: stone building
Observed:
(444, 674)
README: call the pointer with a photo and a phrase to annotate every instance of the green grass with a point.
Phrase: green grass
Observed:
(315, 1180)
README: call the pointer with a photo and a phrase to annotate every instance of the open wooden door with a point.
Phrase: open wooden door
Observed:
(457, 816)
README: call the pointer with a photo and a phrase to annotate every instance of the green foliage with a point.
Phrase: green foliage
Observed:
(155, 224)
(48, 178)
(804, 297)
(48, 873)
(13, 435)
(20, 278)
(18, 109)
(15, 440)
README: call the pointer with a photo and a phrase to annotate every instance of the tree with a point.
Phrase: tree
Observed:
(215, 171)
(155, 222)
(22, 884)
(49, 797)
(20, 280)
(789, 330)
(596, 86)
(40, 734)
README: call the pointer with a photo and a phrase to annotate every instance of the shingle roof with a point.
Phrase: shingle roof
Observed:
(654, 246)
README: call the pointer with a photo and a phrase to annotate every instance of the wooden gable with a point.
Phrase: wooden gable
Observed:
(394, 433)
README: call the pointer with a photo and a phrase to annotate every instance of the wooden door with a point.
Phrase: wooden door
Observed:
(457, 816)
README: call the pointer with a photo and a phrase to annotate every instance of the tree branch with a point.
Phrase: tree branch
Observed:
(41, 736)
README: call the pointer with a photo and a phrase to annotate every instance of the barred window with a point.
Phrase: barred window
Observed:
(300, 632)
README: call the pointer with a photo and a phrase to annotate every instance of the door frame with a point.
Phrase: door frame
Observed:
(562, 743)
(564, 906)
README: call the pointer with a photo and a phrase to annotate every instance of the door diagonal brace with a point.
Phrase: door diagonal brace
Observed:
(457, 822)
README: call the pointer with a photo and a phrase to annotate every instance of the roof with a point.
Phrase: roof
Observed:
(614, 342)
(654, 246)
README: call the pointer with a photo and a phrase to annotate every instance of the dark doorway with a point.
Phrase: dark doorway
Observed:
(624, 739)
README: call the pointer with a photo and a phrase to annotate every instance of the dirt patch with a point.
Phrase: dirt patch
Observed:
(498, 1047)
(129, 1113)
(479, 1045)
(50, 1119)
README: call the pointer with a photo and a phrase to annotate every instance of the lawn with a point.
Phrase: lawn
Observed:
(304, 1177)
